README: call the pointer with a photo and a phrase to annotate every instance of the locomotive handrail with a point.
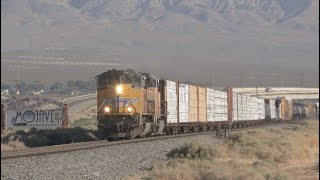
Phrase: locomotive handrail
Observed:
(102, 105)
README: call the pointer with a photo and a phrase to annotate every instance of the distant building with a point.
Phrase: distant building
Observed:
(39, 92)
(5, 92)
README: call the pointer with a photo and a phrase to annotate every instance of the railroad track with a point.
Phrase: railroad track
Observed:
(37, 151)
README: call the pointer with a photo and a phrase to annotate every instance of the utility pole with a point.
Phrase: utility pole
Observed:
(58, 90)
(17, 91)
(73, 88)
(20, 73)
(36, 87)
(36, 92)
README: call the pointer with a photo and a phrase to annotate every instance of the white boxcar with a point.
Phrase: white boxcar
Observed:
(172, 103)
(270, 109)
(221, 117)
(263, 112)
(246, 101)
(220, 110)
(183, 103)
(261, 109)
(210, 105)
(220, 106)
(240, 107)
(235, 107)
(273, 108)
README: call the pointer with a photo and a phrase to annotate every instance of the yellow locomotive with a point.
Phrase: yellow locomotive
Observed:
(129, 104)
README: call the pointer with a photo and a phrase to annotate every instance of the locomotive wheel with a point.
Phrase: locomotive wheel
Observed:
(101, 131)
(135, 131)
(168, 131)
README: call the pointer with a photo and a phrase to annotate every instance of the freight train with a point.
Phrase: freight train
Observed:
(303, 110)
(131, 104)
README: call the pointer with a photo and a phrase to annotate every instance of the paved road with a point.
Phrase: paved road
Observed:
(75, 100)
(78, 103)
(81, 105)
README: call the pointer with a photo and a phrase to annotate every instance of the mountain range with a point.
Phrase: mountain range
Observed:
(188, 40)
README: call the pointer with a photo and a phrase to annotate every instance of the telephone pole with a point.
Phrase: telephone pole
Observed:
(58, 89)
(36, 92)
(36, 87)
(17, 89)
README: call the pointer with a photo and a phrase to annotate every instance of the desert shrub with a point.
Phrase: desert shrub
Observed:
(276, 144)
(213, 169)
(12, 145)
(194, 151)
(83, 122)
(254, 154)
(36, 138)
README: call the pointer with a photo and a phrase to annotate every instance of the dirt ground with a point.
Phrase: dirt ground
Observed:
(300, 171)
(86, 112)
(300, 168)
(307, 170)
(303, 171)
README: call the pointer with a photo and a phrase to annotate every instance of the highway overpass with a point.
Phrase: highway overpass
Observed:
(274, 92)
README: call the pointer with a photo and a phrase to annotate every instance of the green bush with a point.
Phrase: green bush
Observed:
(83, 122)
(36, 138)
(202, 169)
(266, 147)
(264, 144)
(194, 151)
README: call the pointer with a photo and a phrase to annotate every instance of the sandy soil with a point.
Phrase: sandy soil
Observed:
(86, 112)
(305, 171)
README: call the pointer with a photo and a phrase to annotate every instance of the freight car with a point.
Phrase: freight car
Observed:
(317, 109)
(270, 109)
(300, 111)
(304, 110)
(132, 104)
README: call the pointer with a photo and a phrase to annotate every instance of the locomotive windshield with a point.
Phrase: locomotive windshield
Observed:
(118, 77)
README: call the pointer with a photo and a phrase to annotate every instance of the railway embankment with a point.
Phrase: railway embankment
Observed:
(246, 153)
(287, 152)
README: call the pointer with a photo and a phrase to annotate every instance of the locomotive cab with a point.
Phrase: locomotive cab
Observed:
(128, 104)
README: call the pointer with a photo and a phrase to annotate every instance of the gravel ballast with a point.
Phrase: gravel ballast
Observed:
(114, 162)
(110, 162)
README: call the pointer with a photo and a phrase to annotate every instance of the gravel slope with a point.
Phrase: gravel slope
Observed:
(113, 162)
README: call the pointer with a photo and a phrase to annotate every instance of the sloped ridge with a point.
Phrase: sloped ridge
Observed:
(270, 10)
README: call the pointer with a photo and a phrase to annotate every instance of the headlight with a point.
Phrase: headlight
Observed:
(107, 109)
(119, 89)
(129, 109)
